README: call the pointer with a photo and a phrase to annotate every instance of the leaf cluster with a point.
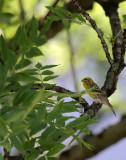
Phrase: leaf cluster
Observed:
(61, 14)
(34, 120)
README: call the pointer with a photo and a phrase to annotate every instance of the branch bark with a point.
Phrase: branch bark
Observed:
(59, 89)
(117, 64)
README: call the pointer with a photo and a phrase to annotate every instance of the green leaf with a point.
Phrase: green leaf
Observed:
(47, 72)
(53, 18)
(3, 75)
(29, 145)
(21, 77)
(55, 149)
(29, 72)
(3, 128)
(14, 115)
(48, 66)
(77, 122)
(23, 95)
(49, 78)
(40, 40)
(38, 65)
(55, 112)
(33, 29)
(17, 143)
(33, 155)
(3, 49)
(55, 10)
(63, 138)
(62, 119)
(67, 107)
(23, 63)
(35, 98)
(13, 57)
(48, 136)
(45, 27)
(41, 111)
(86, 144)
(64, 11)
(18, 127)
(66, 23)
(16, 37)
(22, 39)
(34, 52)
(79, 17)
(36, 126)
(87, 131)
(50, 132)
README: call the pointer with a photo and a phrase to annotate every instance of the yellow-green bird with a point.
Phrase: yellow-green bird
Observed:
(99, 95)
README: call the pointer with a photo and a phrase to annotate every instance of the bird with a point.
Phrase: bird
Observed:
(99, 96)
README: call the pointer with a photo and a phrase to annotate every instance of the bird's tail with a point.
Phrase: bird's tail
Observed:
(110, 106)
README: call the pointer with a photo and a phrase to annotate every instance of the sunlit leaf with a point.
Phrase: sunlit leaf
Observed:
(33, 29)
(34, 52)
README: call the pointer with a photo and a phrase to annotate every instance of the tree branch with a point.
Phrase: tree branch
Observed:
(72, 60)
(59, 89)
(117, 65)
(58, 26)
(118, 54)
(94, 26)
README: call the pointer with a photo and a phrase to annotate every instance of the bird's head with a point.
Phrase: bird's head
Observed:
(87, 80)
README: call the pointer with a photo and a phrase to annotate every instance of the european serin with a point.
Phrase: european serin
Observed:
(99, 95)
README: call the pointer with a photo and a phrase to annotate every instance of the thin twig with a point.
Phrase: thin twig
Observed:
(123, 49)
(22, 12)
(94, 26)
(41, 21)
(72, 60)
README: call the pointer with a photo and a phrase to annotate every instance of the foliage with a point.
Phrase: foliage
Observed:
(33, 119)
